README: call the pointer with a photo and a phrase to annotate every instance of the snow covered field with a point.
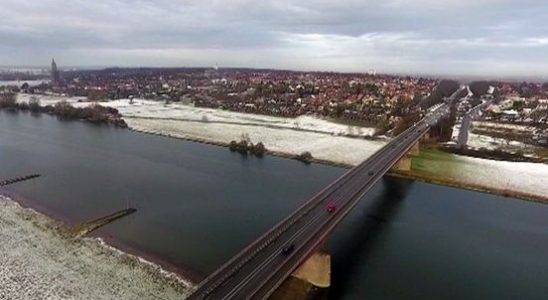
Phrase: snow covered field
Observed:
(325, 140)
(477, 141)
(19, 83)
(525, 177)
(498, 126)
(178, 112)
(38, 261)
(52, 99)
(514, 176)
(324, 146)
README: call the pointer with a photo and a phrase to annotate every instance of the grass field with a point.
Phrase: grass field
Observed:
(520, 179)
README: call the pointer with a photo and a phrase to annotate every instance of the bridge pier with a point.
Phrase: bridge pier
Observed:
(309, 281)
(404, 164)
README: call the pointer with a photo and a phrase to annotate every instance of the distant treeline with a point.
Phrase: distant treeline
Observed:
(443, 130)
(479, 88)
(93, 113)
(524, 89)
(494, 154)
(245, 146)
(444, 89)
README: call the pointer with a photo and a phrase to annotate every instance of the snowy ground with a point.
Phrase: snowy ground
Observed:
(178, 112)
(498, 126)
(52, 99)
(324, 146)
(38, 261)
(477, 141)
(514, 176)
(524, 177)
(19, 83)
(325, 140)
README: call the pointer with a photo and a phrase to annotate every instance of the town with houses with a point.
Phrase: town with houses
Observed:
(504, 113)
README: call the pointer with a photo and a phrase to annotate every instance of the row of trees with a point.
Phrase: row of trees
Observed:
(406, 122)
(94, 113)
(7, 100)
(443, 130)
(245, 146)
(444, 89)
(305, 157)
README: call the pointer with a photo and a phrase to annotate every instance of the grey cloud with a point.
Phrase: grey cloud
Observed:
(429, 35)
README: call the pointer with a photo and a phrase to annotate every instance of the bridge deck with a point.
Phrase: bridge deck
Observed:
(261, 267)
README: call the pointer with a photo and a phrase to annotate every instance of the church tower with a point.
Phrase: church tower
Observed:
(54, 72)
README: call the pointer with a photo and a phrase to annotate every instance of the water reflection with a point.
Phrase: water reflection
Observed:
(200, 204)
(363, 233)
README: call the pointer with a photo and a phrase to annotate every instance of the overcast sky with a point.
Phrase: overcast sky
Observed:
(468, 37)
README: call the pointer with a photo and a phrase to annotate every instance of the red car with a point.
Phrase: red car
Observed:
(331, 207)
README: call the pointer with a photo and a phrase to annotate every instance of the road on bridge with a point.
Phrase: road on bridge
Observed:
(261, 267)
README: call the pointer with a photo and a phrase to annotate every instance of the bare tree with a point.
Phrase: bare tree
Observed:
(34, 104)
(245, 137)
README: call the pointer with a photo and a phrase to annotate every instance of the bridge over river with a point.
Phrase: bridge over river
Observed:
(259, 269)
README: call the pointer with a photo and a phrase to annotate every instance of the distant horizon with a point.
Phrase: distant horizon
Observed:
(464, 77)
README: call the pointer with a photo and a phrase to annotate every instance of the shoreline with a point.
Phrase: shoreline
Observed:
(470, 187)
(132, 256)
(170, 273)
(493, 155)
(226, 145)
(363, 137)
(394, 174)
(145, 111)
(182, 274)
(186, 278)
(26, 202)
(58, 264)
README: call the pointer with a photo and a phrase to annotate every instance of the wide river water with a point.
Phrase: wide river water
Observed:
(199, 204)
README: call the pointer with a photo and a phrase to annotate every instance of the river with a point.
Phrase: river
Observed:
(199, 204)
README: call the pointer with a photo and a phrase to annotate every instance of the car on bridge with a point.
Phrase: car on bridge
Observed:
(288, 249)
(331, 207)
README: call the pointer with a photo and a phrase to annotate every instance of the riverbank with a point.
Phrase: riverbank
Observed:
(40, 260)
(499, 141)
(93, 113)
(428, 165)
(187, 193)
(329, 143)
(470, 186)
(326, 148)
(280, 154)
(522, 180)
(497, 154)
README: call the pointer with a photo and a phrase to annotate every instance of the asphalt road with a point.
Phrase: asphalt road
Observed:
(261, 267)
